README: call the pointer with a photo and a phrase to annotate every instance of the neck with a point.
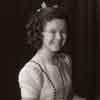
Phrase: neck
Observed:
(46, 56)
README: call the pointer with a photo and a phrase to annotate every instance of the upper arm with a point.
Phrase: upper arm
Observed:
(30, 82)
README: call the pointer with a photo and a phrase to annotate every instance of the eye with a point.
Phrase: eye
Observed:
(53, 31)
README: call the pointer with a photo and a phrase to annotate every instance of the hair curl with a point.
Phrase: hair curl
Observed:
(37, 21)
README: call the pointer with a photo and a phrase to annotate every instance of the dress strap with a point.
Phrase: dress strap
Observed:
(38, 65)
(54, 89)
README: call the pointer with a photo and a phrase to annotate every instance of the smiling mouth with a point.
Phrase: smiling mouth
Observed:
(59, 43)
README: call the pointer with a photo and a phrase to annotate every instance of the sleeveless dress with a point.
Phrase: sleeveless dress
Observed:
(40, 82)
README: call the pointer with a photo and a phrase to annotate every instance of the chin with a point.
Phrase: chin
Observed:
(56, 50)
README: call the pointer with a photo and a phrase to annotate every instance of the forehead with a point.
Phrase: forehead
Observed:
(55, 24)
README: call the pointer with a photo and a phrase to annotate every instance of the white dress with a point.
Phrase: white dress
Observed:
(41, 82)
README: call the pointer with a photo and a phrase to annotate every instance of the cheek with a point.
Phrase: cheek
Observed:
(48, 38)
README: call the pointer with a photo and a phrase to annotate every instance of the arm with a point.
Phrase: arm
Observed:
(30, 82)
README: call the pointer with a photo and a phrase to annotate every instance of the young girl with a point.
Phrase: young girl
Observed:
(47, 75)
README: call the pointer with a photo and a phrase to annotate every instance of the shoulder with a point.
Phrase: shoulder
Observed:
(30, 72)
(66, 58)
(30, 80)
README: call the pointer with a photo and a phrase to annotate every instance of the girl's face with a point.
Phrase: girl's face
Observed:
(54, 35)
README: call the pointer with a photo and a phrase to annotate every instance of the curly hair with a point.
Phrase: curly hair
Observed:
(38, 20)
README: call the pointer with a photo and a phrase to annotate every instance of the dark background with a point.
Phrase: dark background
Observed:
(85, 30)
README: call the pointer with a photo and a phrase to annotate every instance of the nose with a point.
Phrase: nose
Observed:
(58, 36)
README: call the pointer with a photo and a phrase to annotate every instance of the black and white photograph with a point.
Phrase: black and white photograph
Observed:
(54, 50)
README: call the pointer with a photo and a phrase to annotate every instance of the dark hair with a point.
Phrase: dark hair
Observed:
(37, 22)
